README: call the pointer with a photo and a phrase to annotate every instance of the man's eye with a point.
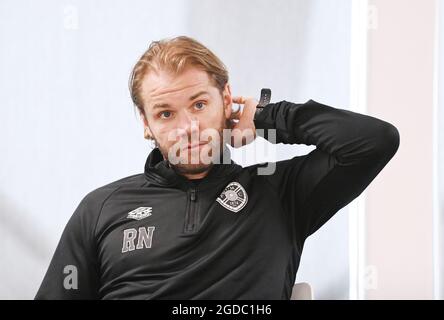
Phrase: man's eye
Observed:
(199, 105)
(165, 114)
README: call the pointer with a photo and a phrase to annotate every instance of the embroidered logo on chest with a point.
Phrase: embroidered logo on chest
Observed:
(140, 213)
(234, 197)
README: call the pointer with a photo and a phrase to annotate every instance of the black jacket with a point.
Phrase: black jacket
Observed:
(235, 235)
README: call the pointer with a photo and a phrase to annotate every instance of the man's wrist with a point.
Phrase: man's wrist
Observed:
(258, 111)
(263, 101)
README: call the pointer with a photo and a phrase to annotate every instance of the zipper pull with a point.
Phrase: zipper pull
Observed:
(193, 195)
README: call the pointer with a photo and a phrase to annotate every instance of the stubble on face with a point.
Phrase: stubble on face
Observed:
(183, 163)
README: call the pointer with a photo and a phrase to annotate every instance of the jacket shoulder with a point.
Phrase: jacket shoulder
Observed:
(95, 199)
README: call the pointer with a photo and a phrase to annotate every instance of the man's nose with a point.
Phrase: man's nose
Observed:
(188, 125)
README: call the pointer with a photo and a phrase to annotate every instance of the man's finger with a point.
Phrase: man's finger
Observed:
(240, 100)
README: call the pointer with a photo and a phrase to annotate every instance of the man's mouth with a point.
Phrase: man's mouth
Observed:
(195, 145)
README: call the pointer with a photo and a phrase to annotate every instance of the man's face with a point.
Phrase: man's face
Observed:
(186, 115)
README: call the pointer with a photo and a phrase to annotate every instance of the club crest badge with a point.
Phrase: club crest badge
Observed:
(140, 213)
(234, 197)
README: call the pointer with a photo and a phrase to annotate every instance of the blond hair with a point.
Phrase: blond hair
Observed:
(173, 55)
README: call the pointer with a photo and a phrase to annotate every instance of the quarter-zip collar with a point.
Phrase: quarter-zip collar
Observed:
(159, 172)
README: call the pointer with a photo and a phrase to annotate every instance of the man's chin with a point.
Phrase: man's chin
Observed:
(195, 162)
(191, 168)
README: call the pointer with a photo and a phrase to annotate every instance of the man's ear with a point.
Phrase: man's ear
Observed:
(227, 100)
(146, 129)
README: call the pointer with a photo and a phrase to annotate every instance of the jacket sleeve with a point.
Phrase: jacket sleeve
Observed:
(73, 271)
(351, 149)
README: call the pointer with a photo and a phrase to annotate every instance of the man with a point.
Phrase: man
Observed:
(211, 229)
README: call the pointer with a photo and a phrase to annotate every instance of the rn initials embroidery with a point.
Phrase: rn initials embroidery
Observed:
(143, 236)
